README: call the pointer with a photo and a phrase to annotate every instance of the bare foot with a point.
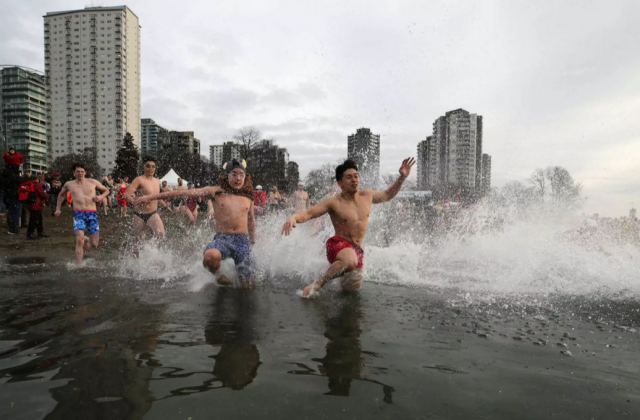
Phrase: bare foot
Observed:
(309, 291)
(224, 280)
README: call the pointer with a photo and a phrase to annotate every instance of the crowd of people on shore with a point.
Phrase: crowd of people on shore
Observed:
(25, 195)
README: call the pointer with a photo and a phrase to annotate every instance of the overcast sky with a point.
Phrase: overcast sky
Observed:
(557, 82)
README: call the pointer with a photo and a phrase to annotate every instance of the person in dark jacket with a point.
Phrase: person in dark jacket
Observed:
(35, 209)
(10, 183)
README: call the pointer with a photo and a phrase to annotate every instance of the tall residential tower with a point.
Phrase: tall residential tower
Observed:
(92, 69)
(23, 110)
(363, 147)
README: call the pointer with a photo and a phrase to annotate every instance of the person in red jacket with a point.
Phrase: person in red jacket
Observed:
(12, 157)
(35, 206)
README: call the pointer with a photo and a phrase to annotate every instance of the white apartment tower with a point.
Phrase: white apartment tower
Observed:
(92, 70)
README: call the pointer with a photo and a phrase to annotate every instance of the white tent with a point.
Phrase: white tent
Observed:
(172, 178)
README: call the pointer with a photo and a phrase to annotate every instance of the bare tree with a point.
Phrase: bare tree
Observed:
(539, 181)
(563, 187)
(247, 138)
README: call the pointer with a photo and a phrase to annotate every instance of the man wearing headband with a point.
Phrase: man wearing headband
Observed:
(233, 214)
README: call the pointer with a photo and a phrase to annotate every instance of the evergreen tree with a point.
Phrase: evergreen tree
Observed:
(127, 159)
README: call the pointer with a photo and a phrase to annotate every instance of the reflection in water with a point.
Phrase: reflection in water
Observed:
(344, 360)
(232, 328)
(87, 342)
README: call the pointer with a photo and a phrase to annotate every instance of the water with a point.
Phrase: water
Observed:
(499, 314)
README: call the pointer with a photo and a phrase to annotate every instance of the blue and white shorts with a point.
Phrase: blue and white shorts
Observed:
(238, 247)
(86, 220)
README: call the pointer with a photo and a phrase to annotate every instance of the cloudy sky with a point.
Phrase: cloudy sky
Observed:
(558, 82)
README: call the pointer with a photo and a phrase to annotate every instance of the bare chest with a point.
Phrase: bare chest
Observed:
(228, 204)
(149, 186)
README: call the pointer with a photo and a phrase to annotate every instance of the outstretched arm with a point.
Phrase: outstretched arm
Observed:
(305, 215)
(197, 192)
(393, 189)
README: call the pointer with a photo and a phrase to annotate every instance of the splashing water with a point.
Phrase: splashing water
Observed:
(485, 251)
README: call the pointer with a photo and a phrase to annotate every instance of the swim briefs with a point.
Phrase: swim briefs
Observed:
(337, 243)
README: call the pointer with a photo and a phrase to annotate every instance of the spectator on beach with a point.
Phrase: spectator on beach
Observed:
(10, 184)
(190, 207)
(13, 157)
(23, 193)
(275, 199)
(260, 199)
(56, 186)
(300, 198)
(35, 204)
(121, 197)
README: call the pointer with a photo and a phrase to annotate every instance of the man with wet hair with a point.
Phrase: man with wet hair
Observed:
(233, 213)
(349, 212)
(146, 214)
(85, 215)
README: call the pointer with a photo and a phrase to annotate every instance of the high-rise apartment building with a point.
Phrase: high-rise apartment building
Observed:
(92, 69)
(486, 173)
(268, 164)
(23, 110)
(452, 157)
(180, 143)
(363, 147)
(221, 153)
(152, 137)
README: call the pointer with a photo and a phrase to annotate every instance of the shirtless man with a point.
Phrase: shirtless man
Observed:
(349, 212)
(300, 198)
(146, 214)
(85, 216)
(234, 219)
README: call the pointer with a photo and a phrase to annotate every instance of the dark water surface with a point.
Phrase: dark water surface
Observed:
(85, 344)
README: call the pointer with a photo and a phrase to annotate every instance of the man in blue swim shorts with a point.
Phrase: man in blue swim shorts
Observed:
(85, 216)
(234, 219)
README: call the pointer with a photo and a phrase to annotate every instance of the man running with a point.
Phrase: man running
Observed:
(85, 216)
(146, 214)
(234, 220)
(300, 198)
(349, 212)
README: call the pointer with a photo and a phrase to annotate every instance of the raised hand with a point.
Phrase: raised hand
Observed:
(405, 168)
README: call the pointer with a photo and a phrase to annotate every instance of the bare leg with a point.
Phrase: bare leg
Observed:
(185, 210)
(352, 281)
(156, 225)
(95, 240)
(138, 231)
(346, 261)
(80, 240)
(212, 259)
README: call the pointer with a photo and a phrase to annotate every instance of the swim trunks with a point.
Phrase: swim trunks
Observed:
(337, 243)
(238, 247)
(144, 216)
(86, 220)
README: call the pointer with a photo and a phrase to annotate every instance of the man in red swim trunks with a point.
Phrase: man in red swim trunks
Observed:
(349, 212)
